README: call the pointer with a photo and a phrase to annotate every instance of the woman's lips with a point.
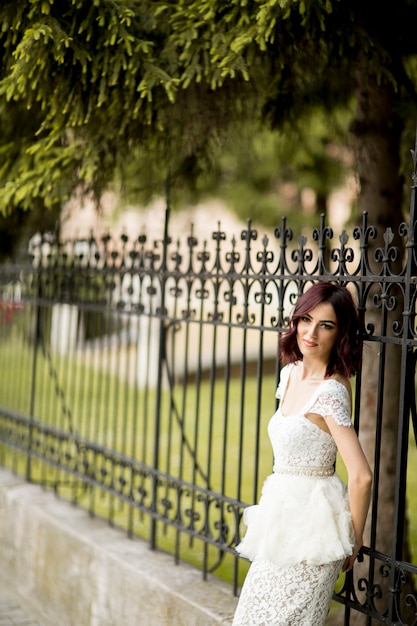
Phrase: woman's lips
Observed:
(309, 344)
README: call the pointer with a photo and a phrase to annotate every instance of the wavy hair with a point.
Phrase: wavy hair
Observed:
(346, 355)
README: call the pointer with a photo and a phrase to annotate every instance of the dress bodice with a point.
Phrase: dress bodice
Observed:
(297, 442)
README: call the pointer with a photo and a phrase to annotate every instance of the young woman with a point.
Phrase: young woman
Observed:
(308, 525)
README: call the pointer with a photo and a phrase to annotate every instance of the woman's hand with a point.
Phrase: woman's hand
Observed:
(350, 560)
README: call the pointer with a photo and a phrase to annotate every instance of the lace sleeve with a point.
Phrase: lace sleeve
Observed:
(333, 401)
(285, 372)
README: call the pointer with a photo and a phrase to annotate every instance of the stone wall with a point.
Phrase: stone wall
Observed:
(75, 570)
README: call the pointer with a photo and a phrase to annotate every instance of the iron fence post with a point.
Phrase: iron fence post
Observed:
(161, 360)
(37, 333)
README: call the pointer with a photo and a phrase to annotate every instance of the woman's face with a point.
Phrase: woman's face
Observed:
(317, 332)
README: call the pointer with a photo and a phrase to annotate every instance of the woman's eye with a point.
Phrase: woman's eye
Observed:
(305, 319)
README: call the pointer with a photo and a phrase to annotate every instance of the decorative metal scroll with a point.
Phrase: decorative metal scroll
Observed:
(248, 278)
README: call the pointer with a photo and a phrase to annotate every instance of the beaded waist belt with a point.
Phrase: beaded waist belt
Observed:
(304, 471)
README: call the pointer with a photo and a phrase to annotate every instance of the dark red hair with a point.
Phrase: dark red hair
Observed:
(346, 355)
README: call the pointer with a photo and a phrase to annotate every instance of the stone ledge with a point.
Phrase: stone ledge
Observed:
(77, 571)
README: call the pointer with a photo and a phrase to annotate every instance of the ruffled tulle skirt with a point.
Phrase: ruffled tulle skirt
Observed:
(299, 519)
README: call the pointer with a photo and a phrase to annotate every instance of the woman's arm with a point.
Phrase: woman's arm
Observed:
(359, 481)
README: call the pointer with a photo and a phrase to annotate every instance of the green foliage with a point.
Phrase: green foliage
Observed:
(83, 76)
(86, 86)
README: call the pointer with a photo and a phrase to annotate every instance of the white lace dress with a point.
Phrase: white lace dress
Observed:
(301, 531)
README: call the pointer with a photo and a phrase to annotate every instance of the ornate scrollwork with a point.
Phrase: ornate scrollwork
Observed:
(343, 255)
(302, 255)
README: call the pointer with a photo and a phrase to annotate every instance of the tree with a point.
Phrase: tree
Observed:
(93, 82)
(91, 86)
(99, 79)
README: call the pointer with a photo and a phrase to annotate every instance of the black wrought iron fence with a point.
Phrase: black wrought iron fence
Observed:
(137, 378)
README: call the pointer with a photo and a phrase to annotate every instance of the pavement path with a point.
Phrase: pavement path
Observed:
(12, 612)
